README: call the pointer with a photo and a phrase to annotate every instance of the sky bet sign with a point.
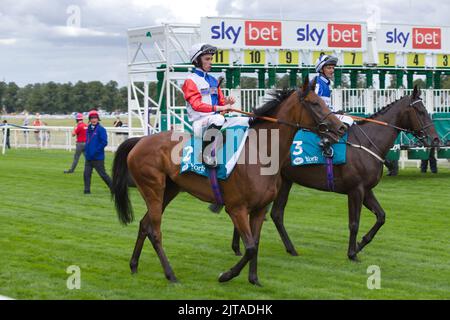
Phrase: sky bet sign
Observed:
(240, 33)
(403, 38)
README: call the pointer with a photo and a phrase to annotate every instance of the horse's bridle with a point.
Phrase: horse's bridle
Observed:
(322, 126)
(419, 133)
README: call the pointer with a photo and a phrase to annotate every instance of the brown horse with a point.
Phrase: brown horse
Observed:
(245, 193)
(362, 170)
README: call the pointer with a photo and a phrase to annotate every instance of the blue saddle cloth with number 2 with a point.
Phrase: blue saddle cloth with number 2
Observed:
(227, 156)
(305, 149)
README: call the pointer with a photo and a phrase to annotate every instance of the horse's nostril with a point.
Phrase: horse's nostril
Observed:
(342, 129)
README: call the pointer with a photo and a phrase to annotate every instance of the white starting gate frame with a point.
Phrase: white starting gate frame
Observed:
(157, 52)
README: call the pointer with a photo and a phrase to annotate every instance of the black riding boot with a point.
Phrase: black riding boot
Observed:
(210, 160)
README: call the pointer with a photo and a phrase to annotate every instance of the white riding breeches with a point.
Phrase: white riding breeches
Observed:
(219, 120)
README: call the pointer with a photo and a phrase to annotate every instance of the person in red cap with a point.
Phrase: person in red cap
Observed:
(80, 133)
(96, 141)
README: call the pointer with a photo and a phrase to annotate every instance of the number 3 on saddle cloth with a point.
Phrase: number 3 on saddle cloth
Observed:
(306, 150)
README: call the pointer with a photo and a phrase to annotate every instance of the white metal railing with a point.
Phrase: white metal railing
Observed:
(441, 100)
(49, 137)
(369, 101)
(363, 101)
(252, 98)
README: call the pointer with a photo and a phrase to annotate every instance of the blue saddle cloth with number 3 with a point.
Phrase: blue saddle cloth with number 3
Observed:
(305, 149)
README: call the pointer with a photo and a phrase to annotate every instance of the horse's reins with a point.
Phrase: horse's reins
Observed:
(270, 119)
(391, 125)
(275, 120)
(388, 125)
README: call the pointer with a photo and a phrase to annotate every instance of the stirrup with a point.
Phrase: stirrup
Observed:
(210, 161)
(327, 150)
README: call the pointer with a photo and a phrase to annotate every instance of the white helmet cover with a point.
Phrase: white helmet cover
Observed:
(199, 49)
(325, 60)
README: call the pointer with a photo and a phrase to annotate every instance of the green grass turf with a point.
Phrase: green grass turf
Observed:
(47, 224)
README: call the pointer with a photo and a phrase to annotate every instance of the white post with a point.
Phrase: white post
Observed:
(113, 133)
(369, 100)
(167, 77)
(130, 117)
(5, 130)
(237, 94)
(337, 99)
(146, 115)
(68, 142)
(429, 100)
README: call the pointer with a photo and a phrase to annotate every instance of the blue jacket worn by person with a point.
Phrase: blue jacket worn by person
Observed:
(96, 141)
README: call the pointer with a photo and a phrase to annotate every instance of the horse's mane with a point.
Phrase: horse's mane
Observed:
(268, 109)
(384, 109)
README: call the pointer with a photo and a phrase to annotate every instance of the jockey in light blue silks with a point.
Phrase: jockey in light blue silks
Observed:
(325, 67)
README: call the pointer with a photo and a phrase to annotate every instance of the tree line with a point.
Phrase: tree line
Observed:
(62, 98)
(65, 98)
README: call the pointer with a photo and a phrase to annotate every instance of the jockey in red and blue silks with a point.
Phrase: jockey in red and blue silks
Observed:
(204, 99)
(325, 67)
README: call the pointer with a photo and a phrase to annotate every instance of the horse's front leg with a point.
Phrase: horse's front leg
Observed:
(373, 205)
(256, 222)
(240, 220)
(355, 200)
(277, 214)
(235, 242)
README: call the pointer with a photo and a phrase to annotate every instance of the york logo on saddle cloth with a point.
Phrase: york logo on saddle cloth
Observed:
(306, 150)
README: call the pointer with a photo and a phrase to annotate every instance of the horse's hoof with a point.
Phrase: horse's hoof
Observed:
(172, 278)
(225, 276)
(255, 282)
(292, 252)
(353, 257)
(134, 269)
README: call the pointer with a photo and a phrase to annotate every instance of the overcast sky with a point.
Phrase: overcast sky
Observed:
(37, 43)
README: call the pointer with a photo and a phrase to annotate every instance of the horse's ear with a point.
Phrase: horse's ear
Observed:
(416, 92)
(305, 83)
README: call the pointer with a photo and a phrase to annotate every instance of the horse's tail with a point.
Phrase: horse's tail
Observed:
(119, 188)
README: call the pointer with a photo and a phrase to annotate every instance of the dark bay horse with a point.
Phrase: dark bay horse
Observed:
(362, 171)
(246, 192)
